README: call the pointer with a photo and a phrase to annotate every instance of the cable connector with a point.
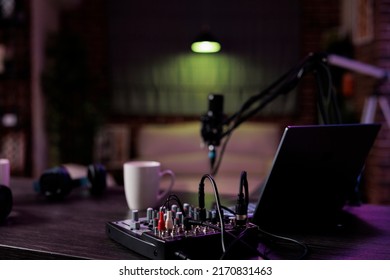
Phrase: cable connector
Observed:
(242, 202)
(161, 222)
(241, 211)
(169, 221)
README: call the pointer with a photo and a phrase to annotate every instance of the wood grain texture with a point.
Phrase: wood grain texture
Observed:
(75, 229)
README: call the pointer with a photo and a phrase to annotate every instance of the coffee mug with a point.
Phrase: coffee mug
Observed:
(4, 172)
(142, 180)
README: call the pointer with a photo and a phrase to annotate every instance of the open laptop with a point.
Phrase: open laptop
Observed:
(315, 170)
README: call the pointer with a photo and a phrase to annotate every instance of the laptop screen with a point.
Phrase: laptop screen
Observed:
(315, 170)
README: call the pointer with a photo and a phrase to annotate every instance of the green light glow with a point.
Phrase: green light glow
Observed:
(205, 47)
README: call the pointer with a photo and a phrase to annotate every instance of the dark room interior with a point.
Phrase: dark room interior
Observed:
(88, 82)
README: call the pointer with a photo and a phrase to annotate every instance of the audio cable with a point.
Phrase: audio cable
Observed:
(218, 205)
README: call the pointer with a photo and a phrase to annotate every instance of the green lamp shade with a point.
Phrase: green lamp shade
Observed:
(205, 43)
(206, 47)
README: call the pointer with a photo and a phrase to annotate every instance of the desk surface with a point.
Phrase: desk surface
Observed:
(75, 228)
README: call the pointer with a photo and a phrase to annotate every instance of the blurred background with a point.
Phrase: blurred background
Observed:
(80, 76)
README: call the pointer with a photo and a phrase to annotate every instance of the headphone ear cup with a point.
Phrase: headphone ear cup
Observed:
(97, 177)
(55, 183)
(6, 202)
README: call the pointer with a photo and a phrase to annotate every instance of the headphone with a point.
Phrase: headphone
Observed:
(56, 183)
(6, 202)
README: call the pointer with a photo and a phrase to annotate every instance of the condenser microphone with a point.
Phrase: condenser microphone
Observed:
(212, 125)
(212, 121)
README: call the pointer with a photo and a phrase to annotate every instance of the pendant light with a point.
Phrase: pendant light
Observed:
(205, 42)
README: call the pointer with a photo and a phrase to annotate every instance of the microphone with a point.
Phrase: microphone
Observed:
(212, 123)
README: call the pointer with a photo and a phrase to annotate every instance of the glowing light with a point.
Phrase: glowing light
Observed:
(206, 47)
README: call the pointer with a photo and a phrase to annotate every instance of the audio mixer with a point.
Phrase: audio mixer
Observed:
(183, 233)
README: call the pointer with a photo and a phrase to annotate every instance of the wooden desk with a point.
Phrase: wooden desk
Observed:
(75, 228)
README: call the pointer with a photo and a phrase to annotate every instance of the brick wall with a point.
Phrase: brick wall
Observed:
(320, 16)
(79, 79)
(89, 21)
(378, 190)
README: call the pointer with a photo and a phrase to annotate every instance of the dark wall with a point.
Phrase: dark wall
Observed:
(153, 71)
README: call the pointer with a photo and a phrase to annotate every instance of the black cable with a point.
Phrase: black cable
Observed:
(218, 206)
(236, 238)
(239, 239)
(321, 100)
(290, 79)
(222, 229)
(282, 86)
(177, 200)
(181, 255)
(228, 209)
(201, 203)
(267, 234)
(301, 244)
(215, 169)
(255, 98)
(333, 103)
(327, 101)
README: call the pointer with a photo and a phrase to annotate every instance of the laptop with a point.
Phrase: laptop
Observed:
(315, 171)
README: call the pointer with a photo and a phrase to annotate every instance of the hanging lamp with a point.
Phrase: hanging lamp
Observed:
(205, 42)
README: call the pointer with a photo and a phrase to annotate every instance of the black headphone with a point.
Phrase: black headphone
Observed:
(56, 183)
(6, 202)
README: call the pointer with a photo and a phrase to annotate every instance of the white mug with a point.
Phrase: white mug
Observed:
(142, 183)
(4, 172)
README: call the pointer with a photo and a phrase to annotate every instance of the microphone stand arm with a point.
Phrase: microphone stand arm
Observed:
(316, 63)
(289, 81)
(369, 70)
(357, 66)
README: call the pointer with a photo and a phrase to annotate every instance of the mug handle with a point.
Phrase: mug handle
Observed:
(172, 175)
